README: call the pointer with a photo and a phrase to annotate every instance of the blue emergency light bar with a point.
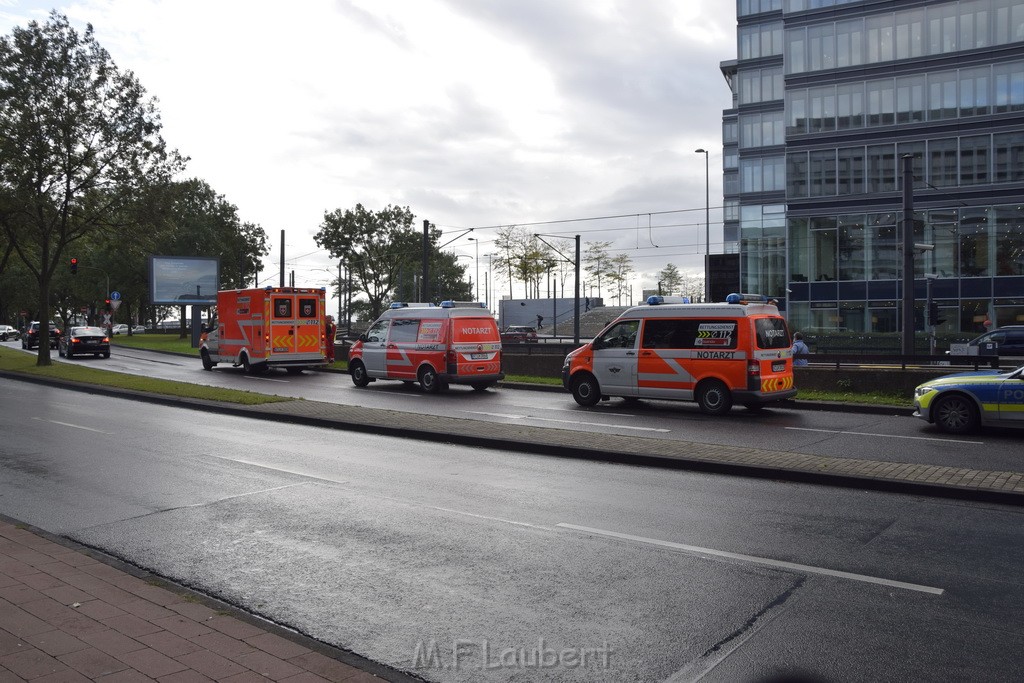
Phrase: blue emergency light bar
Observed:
(656, 300)
(448, 303)
(735, 298)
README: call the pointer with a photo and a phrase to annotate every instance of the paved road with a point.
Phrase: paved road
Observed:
(422, 554)
(839, 434)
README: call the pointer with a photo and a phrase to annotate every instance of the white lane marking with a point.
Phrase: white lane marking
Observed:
(487, 517)
(571, 422)
(758, 560)
(239, 495)
(885, 436)
(265, 379)
(68, 424)
(278, 469)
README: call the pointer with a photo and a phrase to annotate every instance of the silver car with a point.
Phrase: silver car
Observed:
(8, 332)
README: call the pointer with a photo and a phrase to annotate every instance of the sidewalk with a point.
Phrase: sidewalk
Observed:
(71, 614)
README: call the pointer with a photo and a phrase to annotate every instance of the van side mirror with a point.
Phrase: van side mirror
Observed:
(597, 344)
(362, 337)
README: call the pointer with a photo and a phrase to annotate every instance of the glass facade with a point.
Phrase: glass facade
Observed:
(829, 96)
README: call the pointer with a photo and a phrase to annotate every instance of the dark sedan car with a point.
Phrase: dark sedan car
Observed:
(81, 340)
(30, 339)
(518, 334)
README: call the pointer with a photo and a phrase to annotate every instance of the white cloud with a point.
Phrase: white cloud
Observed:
(472, 112)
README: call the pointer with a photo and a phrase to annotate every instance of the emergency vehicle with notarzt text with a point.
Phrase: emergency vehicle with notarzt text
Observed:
(273, 327)
(716, 354)
(454, 343)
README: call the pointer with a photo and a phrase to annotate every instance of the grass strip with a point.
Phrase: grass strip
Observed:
(25, 364)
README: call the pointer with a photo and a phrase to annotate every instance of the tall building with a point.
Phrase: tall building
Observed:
(828, 97)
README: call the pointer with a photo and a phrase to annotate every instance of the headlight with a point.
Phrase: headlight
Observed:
(922, 390)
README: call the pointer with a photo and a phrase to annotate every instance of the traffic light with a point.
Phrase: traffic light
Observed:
(107, 302)
(74, 266)
(934, 317)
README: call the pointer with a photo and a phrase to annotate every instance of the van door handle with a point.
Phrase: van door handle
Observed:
(392, 346)
(630, 353)
(647, 353)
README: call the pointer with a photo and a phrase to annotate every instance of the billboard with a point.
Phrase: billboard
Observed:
(183, 280)
(723, 272)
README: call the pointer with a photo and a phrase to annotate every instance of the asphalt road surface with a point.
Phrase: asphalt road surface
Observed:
(839, 434)
(467, 564)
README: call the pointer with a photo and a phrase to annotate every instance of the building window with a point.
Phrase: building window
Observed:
(796, 112)
(851, 247)
(974, 160)
(879, 31)
(731, 210)
(850, 43)
(823, 248)
(850, 176)
(1009, 223)
(730, 131)
(823, 109)
(881, 100)
(975, 243)
(942, 32)
(798, 241)
(1008, 80)
(760, 40)
(796, 47)
(1008, 157)
(822, 173)
(796, 174)
(944, 235)
(850, 106)
(942, 162)
(821, 47)
(910, 99)
(974, 31)
(975, 95)
(910, 34)
(942, 100)
(881, 168)
(885, 259)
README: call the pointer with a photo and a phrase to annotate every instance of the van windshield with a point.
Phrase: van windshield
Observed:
(475, 330)
(772, 333)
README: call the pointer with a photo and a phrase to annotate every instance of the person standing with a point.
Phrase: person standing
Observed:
(800, 350)
(331, 332)
(540, 322)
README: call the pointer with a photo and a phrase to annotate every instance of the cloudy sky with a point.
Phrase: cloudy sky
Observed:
(474, 113)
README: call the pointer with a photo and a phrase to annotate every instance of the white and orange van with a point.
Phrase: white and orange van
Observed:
(454, 343)
(716, 354)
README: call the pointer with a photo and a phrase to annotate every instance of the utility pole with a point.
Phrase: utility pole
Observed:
(425, 289)
(908, 255)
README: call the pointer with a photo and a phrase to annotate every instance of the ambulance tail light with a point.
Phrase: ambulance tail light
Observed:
(452, 360)
(754, 368)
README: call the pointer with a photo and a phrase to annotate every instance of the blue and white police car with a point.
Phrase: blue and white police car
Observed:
(960, 403)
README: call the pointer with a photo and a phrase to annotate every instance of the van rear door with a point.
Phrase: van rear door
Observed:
(475, 346)
(772, 354)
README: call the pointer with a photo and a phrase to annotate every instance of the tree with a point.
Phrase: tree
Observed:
(670, 280)
(383, 252)
(78, 141)
(620, 272)
(597, 262)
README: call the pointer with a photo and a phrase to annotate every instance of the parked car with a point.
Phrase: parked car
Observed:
(960, 403)
(120, 329)
(138, 329)
(80, 340)
(31, 337)
(518, 334)
(8, 332)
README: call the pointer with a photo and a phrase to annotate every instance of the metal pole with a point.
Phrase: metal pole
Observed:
(576, 303)
(908, 255)
(476, 260)
(707, 223)
(282, 258)
(426, 256)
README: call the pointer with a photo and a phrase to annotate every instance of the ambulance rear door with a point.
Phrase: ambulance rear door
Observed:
(295, 323)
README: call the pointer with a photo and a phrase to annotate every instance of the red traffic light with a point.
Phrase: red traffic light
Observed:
(74, 266)
(107, 302)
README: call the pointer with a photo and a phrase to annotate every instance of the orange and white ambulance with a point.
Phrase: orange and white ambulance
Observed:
(266, 328)
(715, 354)
(454, 343)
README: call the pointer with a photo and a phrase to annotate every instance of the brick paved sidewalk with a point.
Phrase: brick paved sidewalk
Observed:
(66, 616)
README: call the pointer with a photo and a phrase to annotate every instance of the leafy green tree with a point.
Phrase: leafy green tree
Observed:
(383, 253)
(78, 141)
(620, 272)
(597, 262)
(671, 280)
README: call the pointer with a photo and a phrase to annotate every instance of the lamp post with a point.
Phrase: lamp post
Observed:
(707, 223)
(476, 260)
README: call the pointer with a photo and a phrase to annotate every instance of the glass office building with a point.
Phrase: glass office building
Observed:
(828, 97)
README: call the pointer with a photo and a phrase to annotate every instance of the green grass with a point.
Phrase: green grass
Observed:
(876, 398)
(157, 342)
(556, 381)
(25, 364)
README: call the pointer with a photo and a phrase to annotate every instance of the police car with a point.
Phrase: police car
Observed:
(960, 403)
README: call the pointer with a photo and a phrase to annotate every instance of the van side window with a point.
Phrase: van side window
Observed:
(378, 332)
(689, 333)
(621, 336)
(403, 330)
(772, 333)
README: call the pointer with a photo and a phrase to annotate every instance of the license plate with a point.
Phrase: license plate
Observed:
(479, 356)
(780, 366)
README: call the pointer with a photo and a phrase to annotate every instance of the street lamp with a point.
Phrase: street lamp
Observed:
(707, 223)
(476, 259)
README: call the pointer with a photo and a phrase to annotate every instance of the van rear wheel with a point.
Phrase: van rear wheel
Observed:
(585, 390)
(713, 397)
(429, 381)
(207, 361)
